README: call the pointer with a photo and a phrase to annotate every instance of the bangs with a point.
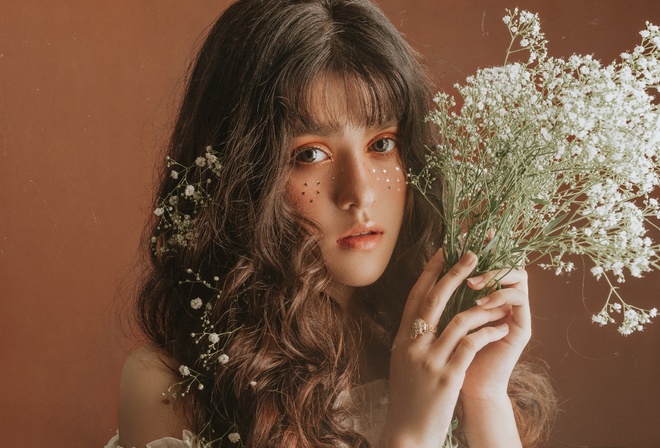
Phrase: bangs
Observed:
(336, 98)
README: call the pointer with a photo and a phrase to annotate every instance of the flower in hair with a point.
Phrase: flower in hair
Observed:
(177, 211)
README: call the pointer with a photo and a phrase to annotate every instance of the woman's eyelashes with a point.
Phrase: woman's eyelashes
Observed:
(310, 154)
(384, 145)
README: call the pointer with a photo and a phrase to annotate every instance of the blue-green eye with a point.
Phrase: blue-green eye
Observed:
(383, 145)
(310, 155)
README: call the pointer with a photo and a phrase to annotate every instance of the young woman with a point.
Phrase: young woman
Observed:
(294, 285)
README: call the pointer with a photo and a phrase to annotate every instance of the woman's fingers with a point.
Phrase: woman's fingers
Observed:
(505, 277)
(513, 297)
(471, 344)
(433, 305)
(459, 328)
(421, 289)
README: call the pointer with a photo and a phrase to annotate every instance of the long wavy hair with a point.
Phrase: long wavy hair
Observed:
(289, 351)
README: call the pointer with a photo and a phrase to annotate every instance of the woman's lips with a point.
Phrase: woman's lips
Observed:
(361, 239)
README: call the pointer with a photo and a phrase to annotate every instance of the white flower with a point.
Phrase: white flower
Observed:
(653, 312)
(200, 161)
(214, 338)
(223, 359)
(196, 304)
(159, 211)
(253, 383)
(234, 437)
(580, 139)
(184, 370)
(174, 175)
(189, 191)
(597, 271)
(601, 318)
(212, 158)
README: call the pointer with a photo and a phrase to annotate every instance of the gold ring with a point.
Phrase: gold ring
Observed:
(420, 327)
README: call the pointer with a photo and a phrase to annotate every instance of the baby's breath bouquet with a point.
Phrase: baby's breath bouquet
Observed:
(553, 157)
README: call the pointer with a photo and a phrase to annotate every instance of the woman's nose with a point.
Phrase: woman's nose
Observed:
(354, 184)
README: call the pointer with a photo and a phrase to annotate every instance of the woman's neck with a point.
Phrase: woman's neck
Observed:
(344, 295)
(373, 353)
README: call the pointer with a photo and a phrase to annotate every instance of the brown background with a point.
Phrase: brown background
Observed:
(86, 92)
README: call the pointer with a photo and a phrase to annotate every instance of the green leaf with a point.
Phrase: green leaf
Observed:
(554, 223)
(540, 201)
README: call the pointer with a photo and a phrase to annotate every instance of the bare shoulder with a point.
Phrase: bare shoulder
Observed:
(145, 414)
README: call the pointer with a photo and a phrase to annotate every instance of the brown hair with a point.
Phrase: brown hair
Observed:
(289, 354)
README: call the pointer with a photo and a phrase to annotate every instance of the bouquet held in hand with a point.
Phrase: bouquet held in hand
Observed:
(553, 157)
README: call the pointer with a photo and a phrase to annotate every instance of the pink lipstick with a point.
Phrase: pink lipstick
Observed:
(361, 237)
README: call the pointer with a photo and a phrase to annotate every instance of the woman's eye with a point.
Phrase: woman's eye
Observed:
(384, 145)
(310, 155)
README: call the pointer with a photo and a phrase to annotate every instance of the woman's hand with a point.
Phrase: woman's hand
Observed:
(489, 372)
(427, 372)
(487, 417)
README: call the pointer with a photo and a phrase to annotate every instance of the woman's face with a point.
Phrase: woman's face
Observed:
(349, 179)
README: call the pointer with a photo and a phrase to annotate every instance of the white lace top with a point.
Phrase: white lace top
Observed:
(367, 403)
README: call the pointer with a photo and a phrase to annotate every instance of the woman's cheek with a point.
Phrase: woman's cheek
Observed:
(304, 193)
(391, 178)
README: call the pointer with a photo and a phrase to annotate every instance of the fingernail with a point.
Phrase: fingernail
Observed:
(482, 301)
(474, 281)
(468, 258)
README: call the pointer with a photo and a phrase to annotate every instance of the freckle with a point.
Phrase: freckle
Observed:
(318, 192)
(303, 193)
(305, 184)
(389, 187)
(311, 200)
